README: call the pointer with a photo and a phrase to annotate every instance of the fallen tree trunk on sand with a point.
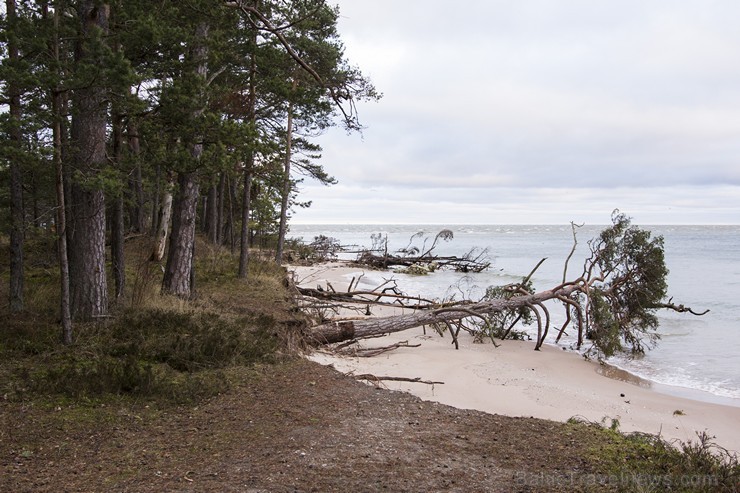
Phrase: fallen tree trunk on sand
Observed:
(344, 330)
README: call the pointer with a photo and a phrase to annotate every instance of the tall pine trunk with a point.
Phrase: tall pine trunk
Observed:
(221, 207)
(286, 189)
(212, 211)
(246, 203)
(16, 180)
(231, 192)
(155, 201)
(137, 214)
(116, 245)
(179, 277)
(61, 215)
(177, 274)
(89, 286)
(118, 263)
(249, 164)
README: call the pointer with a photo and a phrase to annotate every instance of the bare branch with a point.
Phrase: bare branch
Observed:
(573, 227)
(370, 352)
(681, 308)
(526, 279)
(376, 379)
(541, 340)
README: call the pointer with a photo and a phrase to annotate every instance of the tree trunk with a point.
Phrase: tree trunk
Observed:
(61, 215)
(137, 216)
(164, 216)
(246, 202)
(212, 211)
(221, 207)
(286, 185)
(16, 180)
(231, 189)
(67, 157)
(116, 245)
(89, 285)
(156, 212)
(177, 273)
(61, 220)
(249, 164)
(118, 263)
(344, 330)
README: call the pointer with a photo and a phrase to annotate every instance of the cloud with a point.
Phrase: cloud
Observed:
(563, 104)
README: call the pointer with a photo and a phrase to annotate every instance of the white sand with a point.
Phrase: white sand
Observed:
(514, 380)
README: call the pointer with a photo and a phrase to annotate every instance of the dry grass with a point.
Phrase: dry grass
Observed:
(153, 344)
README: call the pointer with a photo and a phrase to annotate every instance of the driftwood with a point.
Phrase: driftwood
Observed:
(376, 380)
(370, 352)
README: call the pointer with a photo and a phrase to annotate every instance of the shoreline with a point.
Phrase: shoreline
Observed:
(616, 373)
(513, 380)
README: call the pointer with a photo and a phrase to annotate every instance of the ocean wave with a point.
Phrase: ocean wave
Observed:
(678, 377)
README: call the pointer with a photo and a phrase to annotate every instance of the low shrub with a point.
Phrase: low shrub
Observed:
(174, 355)
(640, 460)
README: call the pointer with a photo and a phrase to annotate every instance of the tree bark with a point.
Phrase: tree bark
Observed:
(221, 206)
(17, 219)
(155, 202)
(89, 287)
(246, 202)
(137, 216)
(117, 252)
(177, 278)
(212, 211)
(179, 275)
(118, 262)
(230, 234)
(61, 215)
(164, 215)
(249, 164)
(61, 219)
(286, 184)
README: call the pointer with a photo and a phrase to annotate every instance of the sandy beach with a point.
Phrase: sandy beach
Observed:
(514, 380)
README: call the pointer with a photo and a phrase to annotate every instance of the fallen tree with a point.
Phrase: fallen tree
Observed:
(421, 260)
(612, 303)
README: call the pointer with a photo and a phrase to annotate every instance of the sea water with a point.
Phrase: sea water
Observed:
(697, 357)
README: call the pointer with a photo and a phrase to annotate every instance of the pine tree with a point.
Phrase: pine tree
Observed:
(14, 154)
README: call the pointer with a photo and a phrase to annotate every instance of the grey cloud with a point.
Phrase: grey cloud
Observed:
(491, 96)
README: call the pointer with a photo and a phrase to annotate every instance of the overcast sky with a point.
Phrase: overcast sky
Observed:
(538, 112)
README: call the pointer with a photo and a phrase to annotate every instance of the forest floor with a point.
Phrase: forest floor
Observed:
(293, 426)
